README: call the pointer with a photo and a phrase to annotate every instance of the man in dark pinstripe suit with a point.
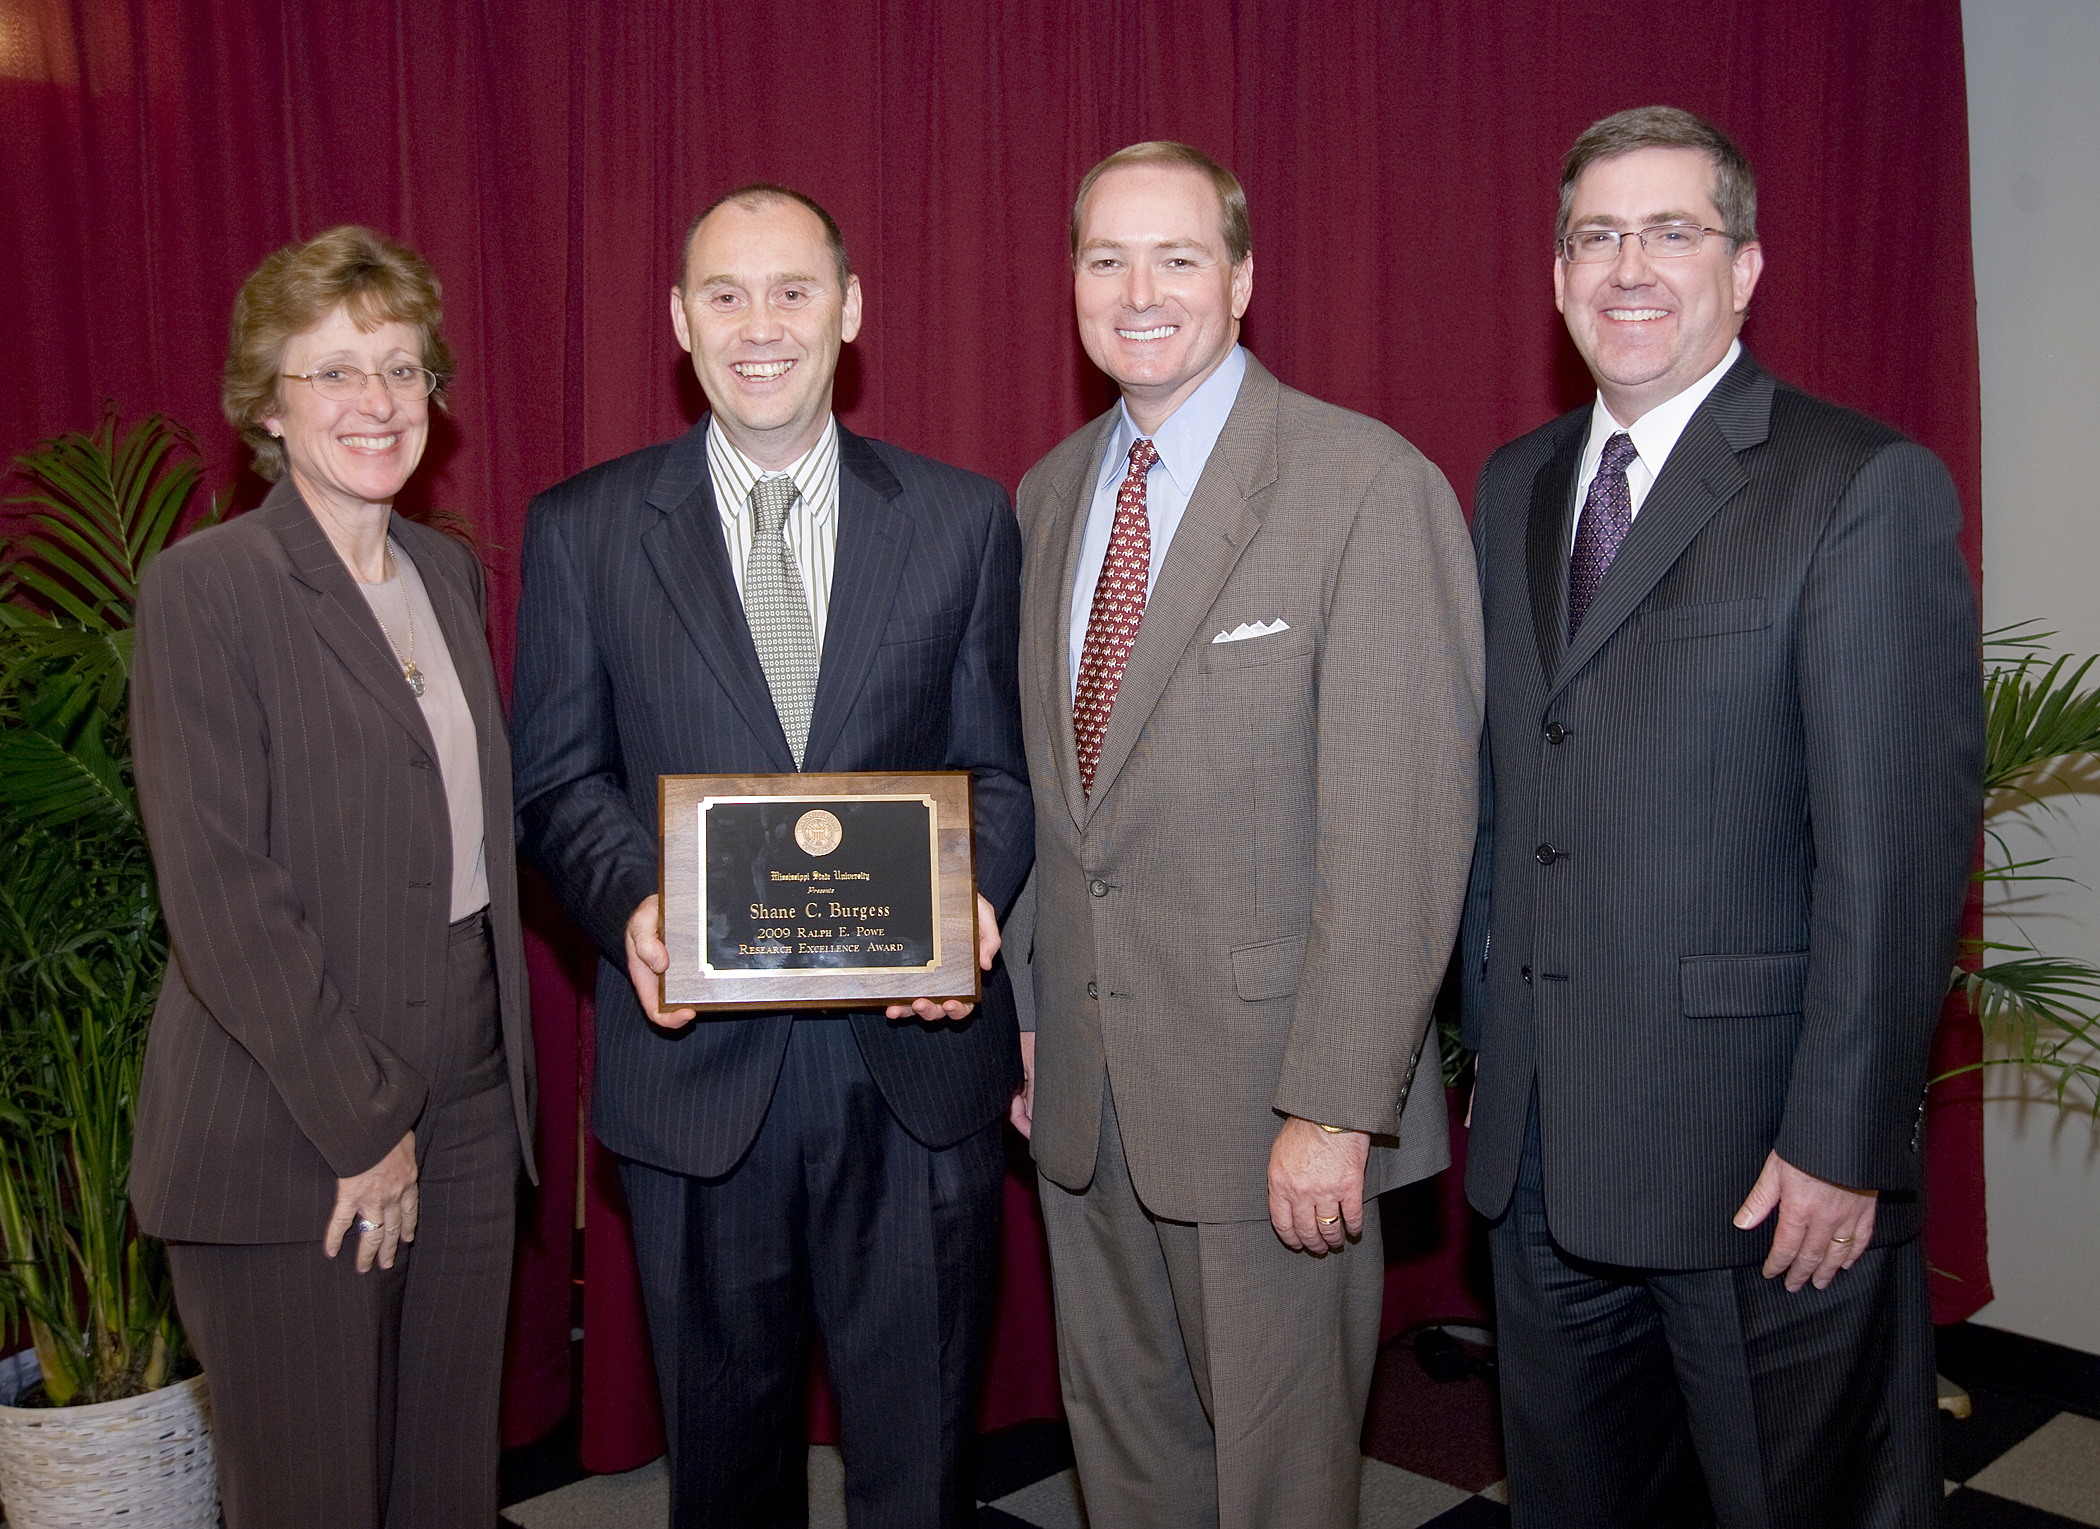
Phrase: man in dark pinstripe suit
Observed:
(1734, 758)
(771, 592)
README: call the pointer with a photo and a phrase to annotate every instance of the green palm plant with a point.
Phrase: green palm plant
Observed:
(102, 506)
(82, 951)
(82, 948)
(2037, 1011)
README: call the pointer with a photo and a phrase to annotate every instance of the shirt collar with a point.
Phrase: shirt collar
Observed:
(1655, 433)
(811, 471)
(1186, 438)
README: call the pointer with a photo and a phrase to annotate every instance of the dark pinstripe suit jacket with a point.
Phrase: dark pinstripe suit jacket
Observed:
(1758, 770)
(634, 661)
(300, 833)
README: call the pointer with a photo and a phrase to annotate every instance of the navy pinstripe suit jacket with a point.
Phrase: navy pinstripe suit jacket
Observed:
(1726, 831)
(634, 661)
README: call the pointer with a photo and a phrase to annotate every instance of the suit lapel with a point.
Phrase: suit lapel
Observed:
(1214, 531)
(691, 559)
(340, 615)
(1701, 474)
(1546, 543)
(1063, 537)
(874, 539)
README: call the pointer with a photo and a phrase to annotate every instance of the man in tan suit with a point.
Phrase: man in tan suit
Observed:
(1251, 692)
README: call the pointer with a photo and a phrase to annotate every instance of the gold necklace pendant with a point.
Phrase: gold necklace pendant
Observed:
(409, 671)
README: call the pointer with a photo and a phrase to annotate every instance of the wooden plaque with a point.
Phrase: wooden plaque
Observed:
(817, 891)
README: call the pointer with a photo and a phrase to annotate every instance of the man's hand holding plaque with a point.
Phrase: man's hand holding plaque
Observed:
(934, 1010)
(647, 958)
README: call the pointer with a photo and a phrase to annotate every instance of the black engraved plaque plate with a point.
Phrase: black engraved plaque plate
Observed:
(843, 885)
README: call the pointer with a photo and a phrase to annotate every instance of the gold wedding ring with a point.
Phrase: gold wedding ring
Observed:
(1327, 1220)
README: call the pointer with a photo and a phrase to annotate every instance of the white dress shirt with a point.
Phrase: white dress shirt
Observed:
(1654, 437)
(811, 529)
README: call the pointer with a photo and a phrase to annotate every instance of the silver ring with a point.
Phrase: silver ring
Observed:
(363, 1225)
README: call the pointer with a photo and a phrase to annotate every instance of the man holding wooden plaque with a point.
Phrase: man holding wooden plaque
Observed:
(825, 628)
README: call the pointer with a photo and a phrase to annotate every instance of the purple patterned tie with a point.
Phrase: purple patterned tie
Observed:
(1119, 605)
(1607, 515)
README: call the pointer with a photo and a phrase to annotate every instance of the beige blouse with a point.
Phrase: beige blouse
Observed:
(402, 607)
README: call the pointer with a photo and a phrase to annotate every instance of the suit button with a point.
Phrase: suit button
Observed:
(1555, 733)
(1548, 854)
(1093, 990)
(1527, 976)
(1098, 888)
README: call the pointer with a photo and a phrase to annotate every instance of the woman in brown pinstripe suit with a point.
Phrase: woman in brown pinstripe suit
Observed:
(338, 1091)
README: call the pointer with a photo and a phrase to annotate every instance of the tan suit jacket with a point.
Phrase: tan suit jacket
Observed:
(1252, 914)
(300, 831)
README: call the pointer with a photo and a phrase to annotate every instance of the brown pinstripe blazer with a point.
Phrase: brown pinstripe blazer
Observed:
(1252, 914)
(299, 829)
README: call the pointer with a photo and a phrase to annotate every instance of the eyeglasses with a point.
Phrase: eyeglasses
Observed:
(343, 383)
(1663, 241)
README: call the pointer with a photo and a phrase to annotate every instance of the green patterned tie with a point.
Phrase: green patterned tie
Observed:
(777, 611)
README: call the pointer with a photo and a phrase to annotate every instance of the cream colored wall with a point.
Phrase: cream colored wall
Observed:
(2034, 146)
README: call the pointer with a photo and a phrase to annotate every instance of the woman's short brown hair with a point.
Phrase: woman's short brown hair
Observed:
(375, 279)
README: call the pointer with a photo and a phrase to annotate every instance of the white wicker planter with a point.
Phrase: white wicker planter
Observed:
(144, 1461)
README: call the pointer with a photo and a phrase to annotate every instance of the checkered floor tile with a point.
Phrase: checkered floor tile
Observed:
(1392, 1499)
(2026, 1458)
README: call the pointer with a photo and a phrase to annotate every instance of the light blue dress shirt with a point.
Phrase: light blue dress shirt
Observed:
(1184, 443)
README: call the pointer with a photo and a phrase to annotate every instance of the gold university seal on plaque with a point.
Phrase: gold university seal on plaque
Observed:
(818, 832)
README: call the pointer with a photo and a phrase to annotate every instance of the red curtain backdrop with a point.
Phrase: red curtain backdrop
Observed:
(1399, 156)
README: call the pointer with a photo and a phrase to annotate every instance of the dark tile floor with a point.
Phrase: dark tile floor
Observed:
(2027, 1457)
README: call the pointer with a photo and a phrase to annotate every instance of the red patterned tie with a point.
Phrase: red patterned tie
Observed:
(1119, 605)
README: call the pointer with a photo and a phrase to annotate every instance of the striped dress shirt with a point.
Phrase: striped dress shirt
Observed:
(812, 527)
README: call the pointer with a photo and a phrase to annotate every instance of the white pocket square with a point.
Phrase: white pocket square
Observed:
(1246, 630)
